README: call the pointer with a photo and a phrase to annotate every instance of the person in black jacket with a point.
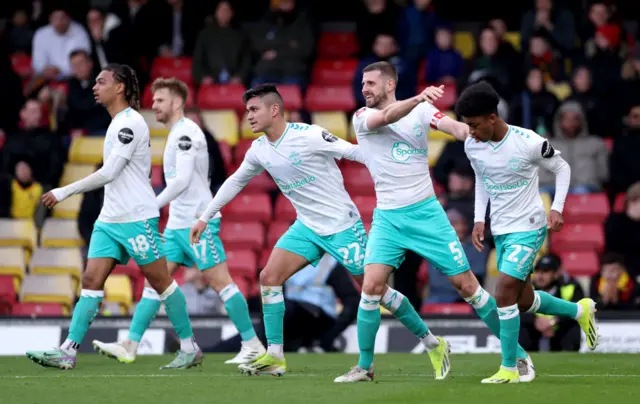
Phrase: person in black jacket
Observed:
(563, 334)
(89, 211)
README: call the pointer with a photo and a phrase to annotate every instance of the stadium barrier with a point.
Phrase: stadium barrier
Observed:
(619, 333)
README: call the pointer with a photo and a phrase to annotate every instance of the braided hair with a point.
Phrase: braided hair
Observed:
(126, 75)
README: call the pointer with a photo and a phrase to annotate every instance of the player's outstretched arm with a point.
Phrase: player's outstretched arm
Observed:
(480, 212)
(185, 165)
(551, 160)
(458, 130)
(109, 171)
(399, 109)
(335, 147)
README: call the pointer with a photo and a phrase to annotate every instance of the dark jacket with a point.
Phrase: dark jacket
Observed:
(212, 56)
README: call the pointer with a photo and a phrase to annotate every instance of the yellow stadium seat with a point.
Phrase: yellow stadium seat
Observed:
(58, 261)
(117, 289)
(156, 129)
(334, 122)
(351, 134)
(12, 263)
(464, 43)
(86, 150)
(18, 233)
(435, 148)
(492, 264)
(75, 172)
(561, 90)
(245, 128)
(514, 39)
(223, 125)
(48, 289)
(69, 208)
(60, 233)
(436, 134)
(545, 246)
(157, 150)
(546, 201)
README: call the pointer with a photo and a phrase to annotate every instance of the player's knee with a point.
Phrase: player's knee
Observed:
(269, 277)
(373, 285)
(91, 280)
(465, 283)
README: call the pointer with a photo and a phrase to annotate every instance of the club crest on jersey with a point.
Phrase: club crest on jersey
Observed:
(329, 137)
(184, 143)
(417, 130)
(125, 135)
(294, 158)
(515, 165)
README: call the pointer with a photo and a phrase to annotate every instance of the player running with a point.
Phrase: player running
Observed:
(186, 169)
(393, 135)
(506, 160)
(301, 160)
(127, 225)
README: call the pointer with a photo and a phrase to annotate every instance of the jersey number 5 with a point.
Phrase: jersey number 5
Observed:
(456, 250)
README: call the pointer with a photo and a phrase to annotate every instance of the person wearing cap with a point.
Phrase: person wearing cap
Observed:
(563, 334)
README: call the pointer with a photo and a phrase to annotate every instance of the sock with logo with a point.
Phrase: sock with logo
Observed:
(176, 306)
(401, 308)
(368, 323)
(273, 313)
(238, 311)
(544, 303)
(146, 311)
(85, 311)
(485, 305)
(509, 332)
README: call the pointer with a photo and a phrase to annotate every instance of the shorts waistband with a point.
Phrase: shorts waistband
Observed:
(414, 206)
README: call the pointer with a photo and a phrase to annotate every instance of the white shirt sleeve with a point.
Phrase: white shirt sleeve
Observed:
(39, 59)
(430, 114)
(544, 155)
(327, 143)
(232, 186)
(359, 120)
(187, 149)
(109, 171)
(130, 134)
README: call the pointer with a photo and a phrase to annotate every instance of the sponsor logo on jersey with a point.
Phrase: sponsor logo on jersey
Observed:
(125, 135)
(329, 137)
(286, 188)
(294, 158)
(184, 143)
(402, 151)
(493, 189)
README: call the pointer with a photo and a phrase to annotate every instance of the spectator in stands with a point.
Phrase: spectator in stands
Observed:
(376, 17)
(604, 59)
(543, 56)
(594, 107)
(5, 194)
(53, 43)
(109, 44)
(598, 15)
(89, 211)
(386, 49)
(227, 61)
(217, 170)
(12, 98)
(586, 154)
(445, 64)
(460, 188)
(624, 162)
(20, 32)
(416, 30)
(535, 107)
(176, 26)
(284, 44)
(558, 23)
(452, 158)
(563, 334)
(488, 65)
(631, 77)
(614, 288)
(25, 192)
(37, 144)
(505, 49)
(622, 230)
(202, 300)
(83, 114)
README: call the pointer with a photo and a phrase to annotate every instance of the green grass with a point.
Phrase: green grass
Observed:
(400, 378)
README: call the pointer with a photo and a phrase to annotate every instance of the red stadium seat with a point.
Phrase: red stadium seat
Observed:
(337, 45)
(618, 205)
(284, 209)
(448, 99)
(264, 258)
(221, 96)
(166, 67)
(22, 65)
(578, 237)
(609, 143)
(240, 235)
(258, 184)
(357, 180)
(133, 271)
(38, 310)
(227, 154)
(241, 149)
(365, 205)
(276, 230)
(291, 95)
(7, 289)
(179, 275)
(330, 98)
(147, 98)
(580, 263)
(446, 308)
(422, 68)
(157, 177)
(244, 285)
(334, 72)
(588, 208)
(243, 263)
(248, 207)
(367, 225)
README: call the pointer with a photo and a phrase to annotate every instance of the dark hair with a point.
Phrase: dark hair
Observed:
(262, 91)
(384, 68)
(612, 258)
(78, 52)
(174, 86)
(478, 99)
(126, 75)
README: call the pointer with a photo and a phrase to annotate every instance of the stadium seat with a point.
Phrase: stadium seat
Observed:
(157, 150)
(225, 151)
(117, 289)
(357, 180)
(8, 289)
(367, 225)
(60, 233)
(448, 99)
(514, 39)
(435, 134)
(276, 230)
(39, 310)
(330, 98)
(492, 264)
(334, 122)
(618, 205)
(86, 150)
(74, 172)
(434, 150)
(17, 233)
(58, 261)
(334, 72)
(156, 129)
(157, 177)
(69, 208)
(243, 263)
(223, 125)
(580, 263)
(446, 308)
(221, 96)
(291, 95)
(258, 184)
(264, 258)
(48, 289)
(240, 150)
(464, 43)
(578, 237)
(21, 64)
(588, 208)
(12, 263)
(546, 201)
(562, 90)
(166, 67)
(337, 45)
(351, 132)
(284, 209)
(365, 205)
(249, 207)
(136, 277)
(240, 235)
(608, 142)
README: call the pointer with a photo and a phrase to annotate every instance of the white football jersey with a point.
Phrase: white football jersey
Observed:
(509, 173)
(397, 155)
(187, 140)
(303, 165)
(129, 197)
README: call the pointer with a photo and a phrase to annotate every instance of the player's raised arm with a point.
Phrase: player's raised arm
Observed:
(546, 156)
(325, 142)
(458, 130)
(187, 148)
(397, 110)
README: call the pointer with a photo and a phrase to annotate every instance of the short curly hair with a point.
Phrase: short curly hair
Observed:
(478, 99)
